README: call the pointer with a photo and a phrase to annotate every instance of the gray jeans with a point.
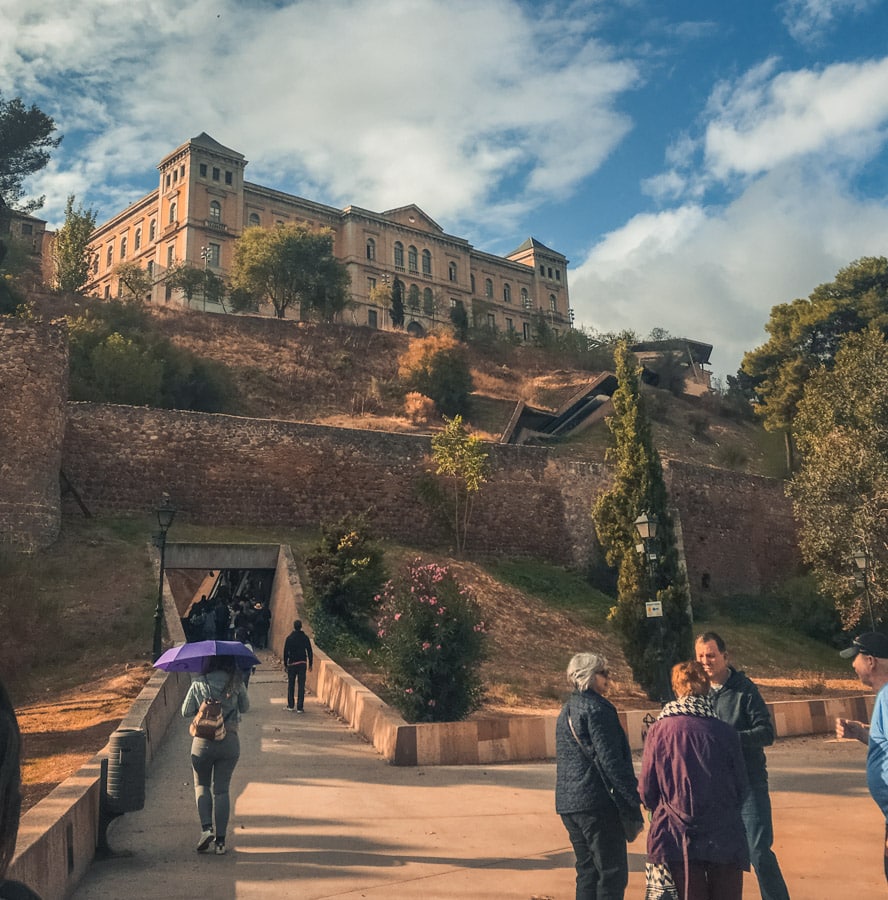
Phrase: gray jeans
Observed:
(213, 763)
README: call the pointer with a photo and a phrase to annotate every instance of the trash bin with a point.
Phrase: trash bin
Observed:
(126, 770)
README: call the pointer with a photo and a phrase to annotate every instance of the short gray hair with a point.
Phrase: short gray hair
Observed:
(583, 668)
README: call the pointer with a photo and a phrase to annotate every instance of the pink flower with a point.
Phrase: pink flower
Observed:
(426, 645)
(397, 616)
(408, 691)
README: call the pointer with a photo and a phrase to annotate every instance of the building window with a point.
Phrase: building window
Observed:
(428, 302)
(168, 179)
(175, 175)
(542, 270)
(507, 293)
(214, 255)
(451, 271)
(510, 325)
(228, 177)
(527, 331)
(203, 170)
(171, 254)
(109, 258)
(525, 298)
(553, 303)
(152, 230)
(172, 213)
(426, 262)
(27, 228)
(137, 241)
(107, 291)
(150, 268)
(453, 302)
(216, 174)
(182, 170)
(123, 247)
(412, 259)
(215, 211)
(558, 274)
(413, 297)
(372, 320)
(491, 321)
(253, 220)
(399, 256)
(95, 263)
(371, 285)
(472, 279)
(488, 288)
(371, 248)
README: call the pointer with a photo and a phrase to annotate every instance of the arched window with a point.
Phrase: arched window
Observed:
(428, 302)
(215, 211)
(109, 258)
(412, 259)
(371, 248)
(507, 293)
(451, 271)
(426, 262)
(413, 297)
(254, 220)
(488, 288)
(525, 298)
(137, 243)
(399, 256)
(553, 303)
(123, 247)
(172, 212)
(152, 230)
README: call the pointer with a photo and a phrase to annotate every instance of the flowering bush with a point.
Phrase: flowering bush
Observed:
(432, 640)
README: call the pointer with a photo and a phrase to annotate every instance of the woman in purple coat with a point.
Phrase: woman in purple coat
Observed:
(693, 780)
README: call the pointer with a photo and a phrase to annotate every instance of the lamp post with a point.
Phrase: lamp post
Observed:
(206, 254)
(862, 561)
(166, 512)
(646, 525)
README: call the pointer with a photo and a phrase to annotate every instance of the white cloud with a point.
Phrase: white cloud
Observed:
(766, 119)
(371, 102)
(714, 274)
(807, 20)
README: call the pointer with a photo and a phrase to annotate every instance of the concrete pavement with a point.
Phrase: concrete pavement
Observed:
(318, 814)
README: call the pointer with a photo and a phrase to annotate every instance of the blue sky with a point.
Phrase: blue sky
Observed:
(697, 162)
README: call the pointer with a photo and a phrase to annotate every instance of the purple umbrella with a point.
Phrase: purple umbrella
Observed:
(193, 657)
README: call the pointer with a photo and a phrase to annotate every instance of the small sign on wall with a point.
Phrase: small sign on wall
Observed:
(654, 609)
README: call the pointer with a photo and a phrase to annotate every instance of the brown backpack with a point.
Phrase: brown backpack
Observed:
(208, 723)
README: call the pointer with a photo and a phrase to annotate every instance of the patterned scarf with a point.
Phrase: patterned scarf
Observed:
(692, 705)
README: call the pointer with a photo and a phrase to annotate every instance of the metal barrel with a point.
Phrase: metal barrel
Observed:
(126, 769)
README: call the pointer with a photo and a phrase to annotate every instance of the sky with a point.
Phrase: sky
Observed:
(698, 162)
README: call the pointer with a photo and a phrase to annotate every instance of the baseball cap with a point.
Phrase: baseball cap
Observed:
(873, 643)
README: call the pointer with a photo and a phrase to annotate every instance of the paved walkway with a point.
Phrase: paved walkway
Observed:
(318, 814)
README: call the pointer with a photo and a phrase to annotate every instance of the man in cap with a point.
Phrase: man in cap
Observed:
(869, 653)
(737, 701)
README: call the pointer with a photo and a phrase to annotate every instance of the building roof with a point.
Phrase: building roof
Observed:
(696, 350)
(533, 244)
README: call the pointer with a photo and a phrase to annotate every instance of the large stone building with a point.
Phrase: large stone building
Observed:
(203, 204)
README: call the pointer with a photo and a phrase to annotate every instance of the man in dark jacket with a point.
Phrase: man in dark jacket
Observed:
(737, 701)
(298, 660)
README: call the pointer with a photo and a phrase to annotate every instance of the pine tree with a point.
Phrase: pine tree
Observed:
(652, 646)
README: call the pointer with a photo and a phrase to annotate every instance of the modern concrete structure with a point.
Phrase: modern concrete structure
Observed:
(203, 204)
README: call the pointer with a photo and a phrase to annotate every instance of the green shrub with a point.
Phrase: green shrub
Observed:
(432, 641)
(346, 572)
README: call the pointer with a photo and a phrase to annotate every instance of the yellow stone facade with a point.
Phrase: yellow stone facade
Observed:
(203, 204)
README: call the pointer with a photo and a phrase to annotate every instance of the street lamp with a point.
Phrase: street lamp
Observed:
(206, 254)
(166, 512)
(646, 525)
(862, 561)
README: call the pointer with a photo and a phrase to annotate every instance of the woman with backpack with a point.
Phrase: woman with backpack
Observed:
(214, 758)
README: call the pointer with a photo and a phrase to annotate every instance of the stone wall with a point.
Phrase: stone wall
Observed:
(739, 535)
(228, 470)
(739, 532)
(33, 391)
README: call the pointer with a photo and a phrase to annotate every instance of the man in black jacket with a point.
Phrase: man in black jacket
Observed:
(298, 661)
(737, 701)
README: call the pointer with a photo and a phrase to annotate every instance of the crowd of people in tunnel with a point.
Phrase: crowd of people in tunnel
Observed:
(228, 615)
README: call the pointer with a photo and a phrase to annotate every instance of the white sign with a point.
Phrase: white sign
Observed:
(654, 609)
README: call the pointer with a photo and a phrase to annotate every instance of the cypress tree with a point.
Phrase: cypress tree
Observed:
(652, 646)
